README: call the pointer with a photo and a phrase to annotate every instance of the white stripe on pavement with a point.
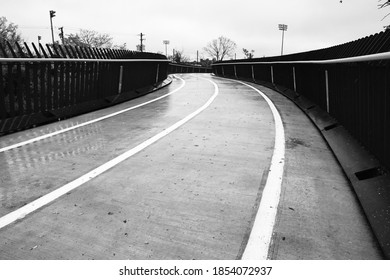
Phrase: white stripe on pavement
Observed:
(48, 198)
(17, 145)
(260, 238)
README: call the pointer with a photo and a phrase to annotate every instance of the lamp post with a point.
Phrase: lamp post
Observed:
(166, 43)
(282, 27)
(52, 14)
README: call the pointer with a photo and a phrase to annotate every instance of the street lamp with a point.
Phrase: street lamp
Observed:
(282, 27)
(166, 43)
(52, 14)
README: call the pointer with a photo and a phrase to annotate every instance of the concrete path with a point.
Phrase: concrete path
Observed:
(176, 174)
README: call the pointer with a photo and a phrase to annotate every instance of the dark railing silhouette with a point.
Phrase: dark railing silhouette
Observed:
(373, 44)
(8, 50)
(355, 92)
(39, 85)
(187, 68)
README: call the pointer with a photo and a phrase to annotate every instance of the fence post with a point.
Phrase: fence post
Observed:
(158, 69)
(235, 71)
(327, 90)
(120, 79)
(272, 74)
(253, 74)
(295, 80)
(223, 71)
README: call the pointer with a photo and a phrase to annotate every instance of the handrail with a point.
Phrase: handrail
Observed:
(356, 98)
(37, 90)
(187, 65)
(183, 68)
(363, 58)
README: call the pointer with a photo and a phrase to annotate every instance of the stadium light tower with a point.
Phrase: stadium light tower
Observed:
(282, 27)
(166, 43)
(52, 14)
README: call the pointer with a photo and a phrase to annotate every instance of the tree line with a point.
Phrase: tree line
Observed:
(219, 49)
(85, 38)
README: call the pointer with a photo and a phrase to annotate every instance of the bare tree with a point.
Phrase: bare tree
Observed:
(384, 3)
(90, 38)
(220, 48)
(120, 47)
(9, 32)
(179, 57)
(248, 54)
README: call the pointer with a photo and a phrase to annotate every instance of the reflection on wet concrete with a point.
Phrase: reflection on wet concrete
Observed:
(29, 156)
(11, 139)
(33, 170)
(27, 172)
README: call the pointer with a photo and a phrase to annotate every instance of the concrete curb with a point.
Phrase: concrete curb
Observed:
(368, 177)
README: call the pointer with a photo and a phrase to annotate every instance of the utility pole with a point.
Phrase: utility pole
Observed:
(282, 27)
(62, 34)
(142, 47)
(52, 14)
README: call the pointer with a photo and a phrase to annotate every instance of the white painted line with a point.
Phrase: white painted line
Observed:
(48, 198)
(260, 238)
(17, 145)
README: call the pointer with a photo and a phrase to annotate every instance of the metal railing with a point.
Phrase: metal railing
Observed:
(355, 91)
(36, 88)
(184, 68)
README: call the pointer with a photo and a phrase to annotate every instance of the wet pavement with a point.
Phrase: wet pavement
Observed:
(193, 194)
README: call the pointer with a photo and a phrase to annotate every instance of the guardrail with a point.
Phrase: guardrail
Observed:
(184, 68)
(343, 97)
(355, 91)
(63, 81)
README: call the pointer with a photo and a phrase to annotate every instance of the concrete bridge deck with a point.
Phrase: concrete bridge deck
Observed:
(177, 174)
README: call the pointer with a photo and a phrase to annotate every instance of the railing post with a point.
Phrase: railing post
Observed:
(295, 80)
(253, 74)
(223, 71)
(327, 90)
(272, 74)
(235, 71)
(158, 69)
(120, 79)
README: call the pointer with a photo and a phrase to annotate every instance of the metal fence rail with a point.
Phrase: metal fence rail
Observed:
(68, 51)
(65, 80)
(374, 44)
(184, 68)
(353, 94)
(355, 91)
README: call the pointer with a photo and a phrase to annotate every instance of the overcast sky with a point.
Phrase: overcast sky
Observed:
(190, 24)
